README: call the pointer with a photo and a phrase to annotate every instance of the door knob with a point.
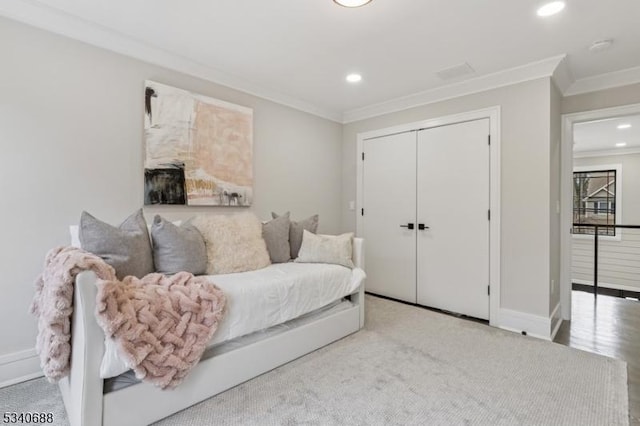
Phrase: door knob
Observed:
(421, 227)
(408, 225)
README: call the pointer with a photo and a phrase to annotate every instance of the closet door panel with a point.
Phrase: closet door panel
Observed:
(389, 200)
(453, 203)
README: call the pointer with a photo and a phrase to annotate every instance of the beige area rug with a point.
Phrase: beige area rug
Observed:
(409, 366)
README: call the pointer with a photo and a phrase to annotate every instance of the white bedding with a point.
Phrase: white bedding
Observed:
(260, 299)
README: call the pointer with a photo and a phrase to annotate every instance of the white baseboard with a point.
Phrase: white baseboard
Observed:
(533, 325)
(19, 367)
(556, 321)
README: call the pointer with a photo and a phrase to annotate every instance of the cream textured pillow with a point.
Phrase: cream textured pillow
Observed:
(335, 249)
(234, 243)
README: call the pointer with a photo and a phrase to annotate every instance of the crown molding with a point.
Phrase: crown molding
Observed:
(606, 152)
(37, 14)
(34, 13)
(562, 76)
(528, 72)
(604, 81)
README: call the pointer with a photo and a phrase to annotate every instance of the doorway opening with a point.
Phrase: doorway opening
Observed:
(601, 204)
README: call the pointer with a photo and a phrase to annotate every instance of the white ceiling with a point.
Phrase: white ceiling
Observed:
(603, 135)
(303, 49)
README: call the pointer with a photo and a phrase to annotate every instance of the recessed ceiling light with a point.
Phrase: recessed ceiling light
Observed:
(621, 144)
(354, 78)
(551, 8)
(624, 126)
(352, 3)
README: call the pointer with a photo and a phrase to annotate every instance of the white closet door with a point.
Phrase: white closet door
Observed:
(389, 201)
(453, 202)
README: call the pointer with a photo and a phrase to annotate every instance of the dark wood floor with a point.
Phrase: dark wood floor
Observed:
(608, 326)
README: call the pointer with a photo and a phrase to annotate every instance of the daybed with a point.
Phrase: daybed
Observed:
(89, 402)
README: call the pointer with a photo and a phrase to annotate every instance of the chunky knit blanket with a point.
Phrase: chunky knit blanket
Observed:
(53, 305)
(161, 324)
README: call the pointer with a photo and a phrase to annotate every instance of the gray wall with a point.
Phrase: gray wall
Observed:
(71, 127)
(617, 96)
(554, 198)
(619, 261)
(525, 182)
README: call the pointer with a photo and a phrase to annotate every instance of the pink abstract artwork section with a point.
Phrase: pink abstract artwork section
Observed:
(199, 150)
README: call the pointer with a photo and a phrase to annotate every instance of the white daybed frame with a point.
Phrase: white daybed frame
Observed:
(142, 403)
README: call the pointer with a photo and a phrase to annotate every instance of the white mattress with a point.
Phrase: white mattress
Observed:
(261, 299)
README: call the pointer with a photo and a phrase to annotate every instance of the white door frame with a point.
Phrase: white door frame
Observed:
(566, 191)
(493, 114)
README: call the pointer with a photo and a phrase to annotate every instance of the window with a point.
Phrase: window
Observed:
(594, 201)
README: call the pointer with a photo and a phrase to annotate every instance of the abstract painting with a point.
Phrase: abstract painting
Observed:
(199, 150)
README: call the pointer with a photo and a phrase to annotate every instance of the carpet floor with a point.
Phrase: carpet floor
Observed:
(408, 366)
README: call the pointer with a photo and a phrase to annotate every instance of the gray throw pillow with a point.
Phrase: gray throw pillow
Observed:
(296, 229)
(177, 248)
(276, 235)
(127, 248)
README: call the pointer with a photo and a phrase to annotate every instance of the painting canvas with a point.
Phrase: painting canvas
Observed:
(199, 150)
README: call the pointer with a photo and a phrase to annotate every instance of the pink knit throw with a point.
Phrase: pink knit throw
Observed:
(53, 305)
(161, 324)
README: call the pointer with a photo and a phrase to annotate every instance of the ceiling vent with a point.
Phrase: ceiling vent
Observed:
(456, 72)
(600, 45)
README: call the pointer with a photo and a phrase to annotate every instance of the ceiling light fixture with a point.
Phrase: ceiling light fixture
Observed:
(621, 144)
(354, 78)
(624, 126)
(551, 8)
(352, 3)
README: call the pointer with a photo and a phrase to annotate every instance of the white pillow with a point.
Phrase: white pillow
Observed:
(336, 249)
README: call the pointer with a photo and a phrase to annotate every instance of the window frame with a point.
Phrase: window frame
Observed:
(618, 199)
